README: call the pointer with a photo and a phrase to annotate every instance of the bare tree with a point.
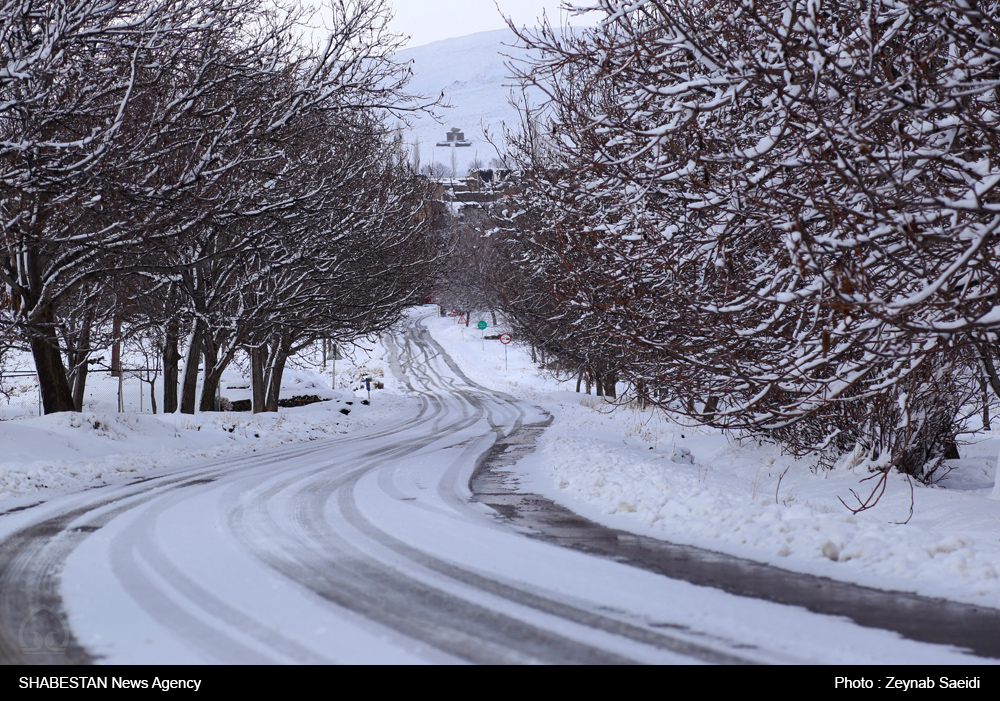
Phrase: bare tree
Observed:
(141, 137)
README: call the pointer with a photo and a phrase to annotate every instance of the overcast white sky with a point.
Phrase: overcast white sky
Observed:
(431, 20)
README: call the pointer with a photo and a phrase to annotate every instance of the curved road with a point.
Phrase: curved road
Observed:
(370, 548)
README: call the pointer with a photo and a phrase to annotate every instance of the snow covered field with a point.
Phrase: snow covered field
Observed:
(627, 468)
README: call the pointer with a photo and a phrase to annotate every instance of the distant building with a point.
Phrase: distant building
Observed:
(454, 138)
(473, 191)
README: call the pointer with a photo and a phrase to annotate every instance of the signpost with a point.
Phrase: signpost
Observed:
(482, 332)
(368, 386)
(505, 340)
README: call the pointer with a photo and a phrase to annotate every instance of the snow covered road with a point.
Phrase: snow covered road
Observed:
(368, 548)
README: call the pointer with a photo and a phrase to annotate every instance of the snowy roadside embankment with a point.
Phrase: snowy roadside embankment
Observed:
(636, 471)
(66, 452)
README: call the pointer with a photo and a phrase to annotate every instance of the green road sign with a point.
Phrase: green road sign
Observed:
(481, 325)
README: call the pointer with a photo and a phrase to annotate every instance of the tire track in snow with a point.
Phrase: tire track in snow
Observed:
(346, 574)
(33, 627)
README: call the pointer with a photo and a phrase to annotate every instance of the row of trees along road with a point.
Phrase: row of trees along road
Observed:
(203, 174)
(774, 216)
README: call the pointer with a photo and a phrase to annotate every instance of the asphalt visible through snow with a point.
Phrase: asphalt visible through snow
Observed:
(973, 628)
(408, 542)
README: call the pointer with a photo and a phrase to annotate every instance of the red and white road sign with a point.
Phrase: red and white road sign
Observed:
(462, 320)
(505, 338)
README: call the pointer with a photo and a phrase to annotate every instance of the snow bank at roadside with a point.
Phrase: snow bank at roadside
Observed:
(69, 451)
(750, 501)
(636, 471)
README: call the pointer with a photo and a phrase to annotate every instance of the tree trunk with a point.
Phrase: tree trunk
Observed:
(610, 382)
(152, 394)
(212, 375)
(257, 386)
(52, 381)
(986, 404)
(171, 363)
(80, 385)
(274, 373)
(710, 408)
(78, 352)
(116, 345)
(210, 389)
(991, 371)
(189, 386)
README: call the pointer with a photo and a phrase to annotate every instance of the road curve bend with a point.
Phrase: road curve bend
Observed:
(368, 547)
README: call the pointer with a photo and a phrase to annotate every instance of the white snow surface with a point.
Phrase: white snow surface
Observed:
(627, 468)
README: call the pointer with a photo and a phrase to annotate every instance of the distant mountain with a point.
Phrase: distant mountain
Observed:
(473, 74)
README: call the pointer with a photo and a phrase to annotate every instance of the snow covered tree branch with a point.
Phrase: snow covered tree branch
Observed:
(777, 215)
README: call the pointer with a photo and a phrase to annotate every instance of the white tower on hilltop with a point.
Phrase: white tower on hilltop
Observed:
(454, 139)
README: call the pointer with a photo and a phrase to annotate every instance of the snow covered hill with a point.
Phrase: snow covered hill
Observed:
(474, 74)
